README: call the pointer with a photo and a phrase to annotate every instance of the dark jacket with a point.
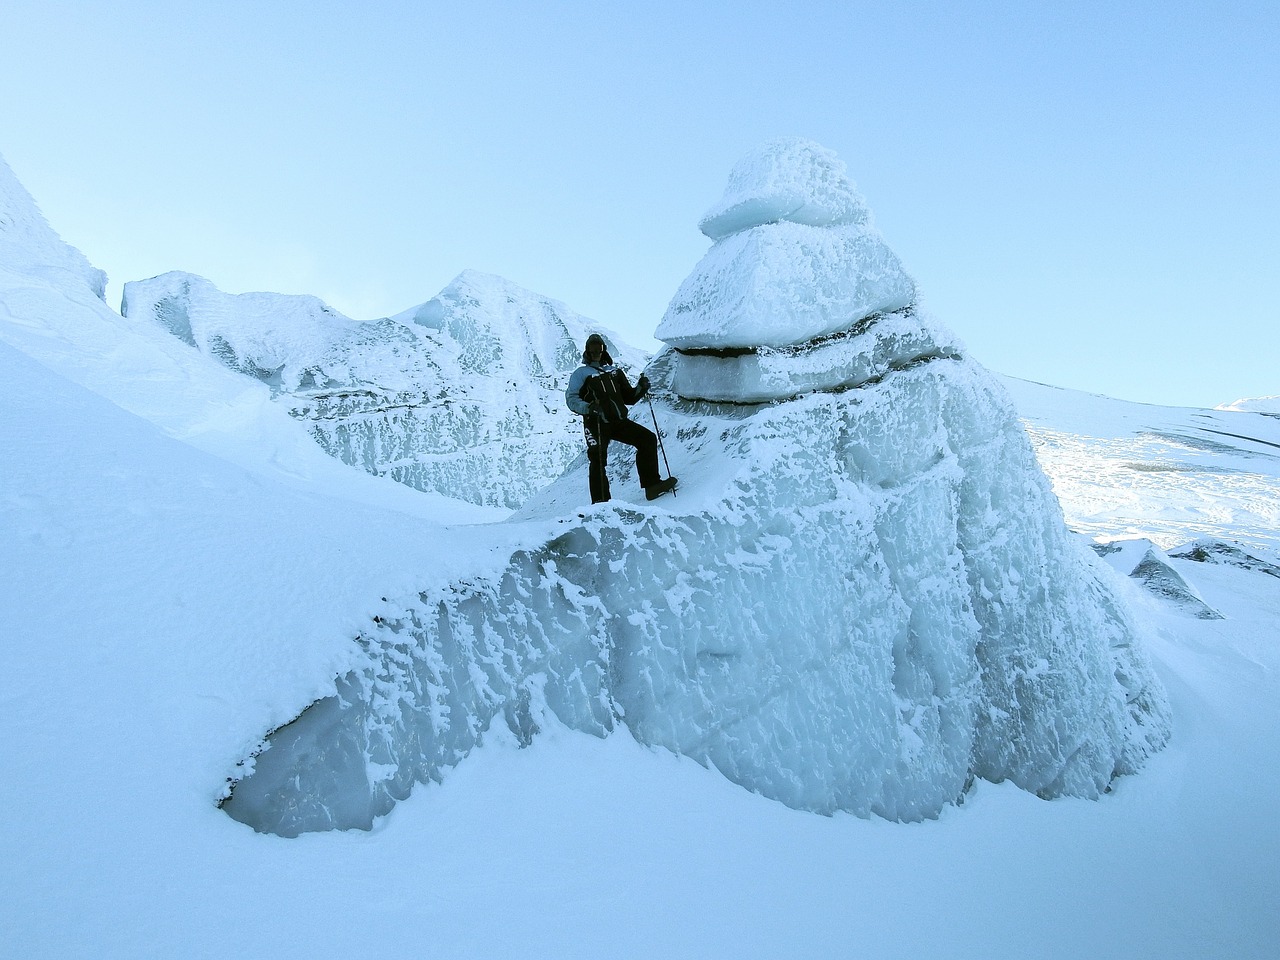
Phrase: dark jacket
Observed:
(603, 391)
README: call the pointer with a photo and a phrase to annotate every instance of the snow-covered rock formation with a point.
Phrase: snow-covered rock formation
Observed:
(461, 395)
(785, 301)
(1143, 561)
(861, 598)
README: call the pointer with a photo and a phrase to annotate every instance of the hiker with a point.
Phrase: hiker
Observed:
(600, 393)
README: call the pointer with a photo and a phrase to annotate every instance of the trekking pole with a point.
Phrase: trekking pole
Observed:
(659, 435)
(657, 432)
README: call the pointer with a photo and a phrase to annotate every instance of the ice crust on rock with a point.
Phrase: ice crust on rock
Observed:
(785, 179)
(861, 601)
(872, 348)
(1213, 550)
(461, 395)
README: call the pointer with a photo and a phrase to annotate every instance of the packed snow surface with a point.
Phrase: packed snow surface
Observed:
(1168, 474)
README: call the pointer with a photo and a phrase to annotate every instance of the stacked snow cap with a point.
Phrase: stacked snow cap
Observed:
(789, 179)
(796, 263)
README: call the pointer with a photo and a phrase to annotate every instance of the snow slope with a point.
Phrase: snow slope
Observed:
(1125, 469)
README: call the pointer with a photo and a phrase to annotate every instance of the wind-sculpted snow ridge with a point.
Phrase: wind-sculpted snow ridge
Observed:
(31, 249)
(461, 395)
(861, 599)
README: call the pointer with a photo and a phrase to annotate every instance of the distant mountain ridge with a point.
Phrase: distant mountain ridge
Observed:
(461, 395)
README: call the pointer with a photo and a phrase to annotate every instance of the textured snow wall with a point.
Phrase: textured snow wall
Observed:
(462, 395)
(870, 600)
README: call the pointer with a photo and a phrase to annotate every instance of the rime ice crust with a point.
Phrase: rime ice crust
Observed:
(783, 284)
(461, 395)
(796, 260)
(864, 598)
(786, 179)
(869, 599)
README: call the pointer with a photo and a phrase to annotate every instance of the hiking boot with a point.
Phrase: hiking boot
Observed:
(654, 491)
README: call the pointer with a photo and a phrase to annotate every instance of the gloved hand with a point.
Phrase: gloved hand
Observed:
(642, 386)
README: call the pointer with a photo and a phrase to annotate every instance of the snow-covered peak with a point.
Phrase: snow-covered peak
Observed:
(274, 337)
(30, 247)
(498, 324)
(1268, 405)
(785, 179)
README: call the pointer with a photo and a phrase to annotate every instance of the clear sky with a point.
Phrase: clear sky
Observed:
(1085, 192)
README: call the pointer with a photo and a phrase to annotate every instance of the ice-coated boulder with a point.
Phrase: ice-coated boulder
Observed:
(461, 395)
(782, 284)
(862, 599)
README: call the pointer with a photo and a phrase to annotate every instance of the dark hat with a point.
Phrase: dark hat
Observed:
(593, 340)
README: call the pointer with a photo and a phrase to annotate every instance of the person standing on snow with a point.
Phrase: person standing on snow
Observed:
(600, 393)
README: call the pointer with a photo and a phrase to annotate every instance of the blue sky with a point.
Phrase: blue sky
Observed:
(1086, 193)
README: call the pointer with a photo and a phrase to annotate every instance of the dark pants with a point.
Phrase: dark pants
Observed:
(624, 431)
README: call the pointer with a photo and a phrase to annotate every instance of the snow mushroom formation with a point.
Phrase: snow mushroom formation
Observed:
(781, 303)
(460, 395)
(863, 597)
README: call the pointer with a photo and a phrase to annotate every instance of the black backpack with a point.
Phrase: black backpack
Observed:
(605, 392)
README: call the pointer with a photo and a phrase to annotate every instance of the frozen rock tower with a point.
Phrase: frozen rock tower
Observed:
(785, 301)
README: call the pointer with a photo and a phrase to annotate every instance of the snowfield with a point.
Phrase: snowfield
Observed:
(186, 571)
